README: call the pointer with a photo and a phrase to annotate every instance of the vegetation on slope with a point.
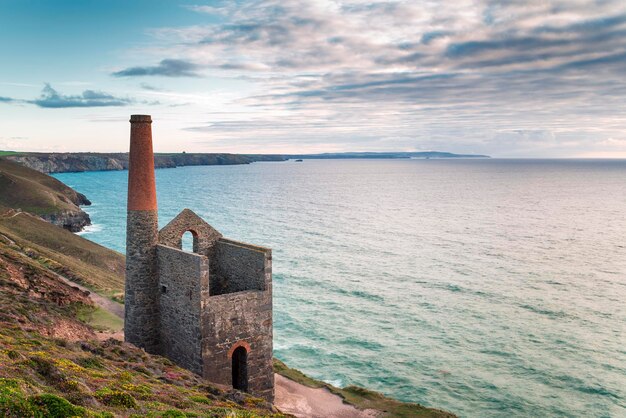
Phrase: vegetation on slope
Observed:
(24, 189)
(51, 364)
(80, 260)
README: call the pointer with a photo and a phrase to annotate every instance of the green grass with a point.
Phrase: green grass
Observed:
(68, 254)
(51, 365)
(101, 319)
(363, 398)
(296, 375)
(49, 380)
(5, 153)
(33, 191)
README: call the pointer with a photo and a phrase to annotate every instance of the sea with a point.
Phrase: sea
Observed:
(486, 287)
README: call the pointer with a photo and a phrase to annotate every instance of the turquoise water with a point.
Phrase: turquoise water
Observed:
(487, 287)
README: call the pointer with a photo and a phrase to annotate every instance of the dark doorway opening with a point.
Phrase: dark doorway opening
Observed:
(240, 369)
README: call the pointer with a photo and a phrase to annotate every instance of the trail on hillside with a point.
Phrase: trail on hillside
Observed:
(107, 304)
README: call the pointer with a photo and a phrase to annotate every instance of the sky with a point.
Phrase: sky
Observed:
(503, 78)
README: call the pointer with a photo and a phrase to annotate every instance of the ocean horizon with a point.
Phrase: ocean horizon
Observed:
(480, 286)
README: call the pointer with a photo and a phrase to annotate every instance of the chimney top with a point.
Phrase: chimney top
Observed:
(141, 184)
(140, 118)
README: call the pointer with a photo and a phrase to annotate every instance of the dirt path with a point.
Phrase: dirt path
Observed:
(115, 308)
(303, 401)
(107, 304)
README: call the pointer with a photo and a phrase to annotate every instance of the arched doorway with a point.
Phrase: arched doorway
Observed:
(240, 369)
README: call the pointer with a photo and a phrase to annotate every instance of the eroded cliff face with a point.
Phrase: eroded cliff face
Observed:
(62, 163)
(74, 221)
(79, 162)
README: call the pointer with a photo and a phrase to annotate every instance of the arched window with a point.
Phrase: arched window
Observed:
(240, 369)
(189, 242)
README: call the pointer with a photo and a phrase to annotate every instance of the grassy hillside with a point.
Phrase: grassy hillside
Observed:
(70, 255)
(35, 192)
(52, 365)
(24, 189)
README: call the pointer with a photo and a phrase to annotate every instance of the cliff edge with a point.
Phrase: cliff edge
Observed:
(26, 190)
(86, 161)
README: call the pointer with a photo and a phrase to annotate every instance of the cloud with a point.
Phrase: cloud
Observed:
(322, 37)
(482, 76)
(166, 68)
(50, 98)
(150, 87)
(211, 10)
(6, 99)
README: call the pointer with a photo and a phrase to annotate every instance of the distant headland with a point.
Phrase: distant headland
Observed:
(56, 162)
(419, 155)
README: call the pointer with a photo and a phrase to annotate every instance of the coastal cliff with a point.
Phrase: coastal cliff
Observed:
(26, 190)
(55, 162)
(83, 161)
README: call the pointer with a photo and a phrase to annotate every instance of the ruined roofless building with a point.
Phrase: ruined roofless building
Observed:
(209, 311)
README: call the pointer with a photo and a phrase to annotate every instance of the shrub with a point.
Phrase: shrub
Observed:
(230, 413)
(102, 415)
(47, 369)
(173, 413)
(12, 401)
(56, 407)
(201, 399)
(69, 386)
(90, 363)
(252, 401)
(142, 390)
(68, 365)
(13, 355)
(118, 398)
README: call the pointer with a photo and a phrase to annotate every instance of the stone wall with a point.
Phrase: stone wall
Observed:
(141, 317)
(184, 286)
(241, 319)
(204, 234)
(237, 267)
(215, 301)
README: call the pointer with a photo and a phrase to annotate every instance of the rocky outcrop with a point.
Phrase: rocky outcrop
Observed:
(73, 221)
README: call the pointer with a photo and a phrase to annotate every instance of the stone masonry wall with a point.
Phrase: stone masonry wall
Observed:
(141, 317)
(184, 285)
(237, 267)
(215, 299)
(242, 318)
(204, 234)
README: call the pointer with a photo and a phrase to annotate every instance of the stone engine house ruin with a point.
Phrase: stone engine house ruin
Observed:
(209, 311)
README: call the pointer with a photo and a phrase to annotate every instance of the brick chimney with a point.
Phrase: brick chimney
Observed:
(141, 326)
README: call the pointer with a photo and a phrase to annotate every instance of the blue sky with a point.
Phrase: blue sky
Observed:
(509, 79)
